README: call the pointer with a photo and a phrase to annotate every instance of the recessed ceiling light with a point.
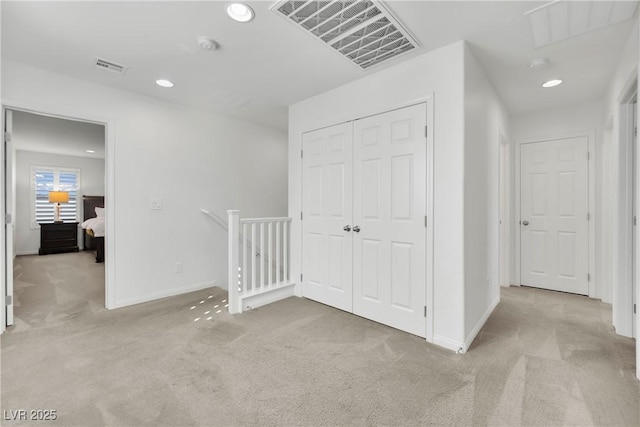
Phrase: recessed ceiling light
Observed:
(240, 12)
(164, 83)
(552, 83)
(90, 151)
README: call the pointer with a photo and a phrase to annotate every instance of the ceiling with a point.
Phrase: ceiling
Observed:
(35, 132)
(263, 66)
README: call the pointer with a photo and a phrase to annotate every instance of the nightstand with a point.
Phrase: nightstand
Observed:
(58, 238)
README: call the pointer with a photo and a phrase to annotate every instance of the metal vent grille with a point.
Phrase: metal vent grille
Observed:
(362, 31)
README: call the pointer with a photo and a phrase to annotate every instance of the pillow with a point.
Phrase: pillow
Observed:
(100, 212)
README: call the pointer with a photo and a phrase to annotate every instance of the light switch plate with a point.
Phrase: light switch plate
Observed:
(155, 204)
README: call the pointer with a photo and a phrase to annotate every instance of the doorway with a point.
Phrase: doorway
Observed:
(46, 150)
(365, 217)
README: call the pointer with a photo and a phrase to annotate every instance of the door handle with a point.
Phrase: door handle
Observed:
(356, 228)
(525, 223)
(346, 228)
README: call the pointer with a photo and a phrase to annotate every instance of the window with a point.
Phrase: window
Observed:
(45, 179)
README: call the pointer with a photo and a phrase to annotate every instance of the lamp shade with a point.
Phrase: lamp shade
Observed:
(58, 197)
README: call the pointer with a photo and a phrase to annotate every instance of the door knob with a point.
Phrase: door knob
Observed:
(346, 228)
(356, 228)
(525, 223)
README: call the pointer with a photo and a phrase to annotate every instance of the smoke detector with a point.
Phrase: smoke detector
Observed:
(207, 43)
(538, 63)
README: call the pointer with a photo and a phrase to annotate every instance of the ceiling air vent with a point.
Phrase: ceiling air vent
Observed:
(111, 66)
(362, 31)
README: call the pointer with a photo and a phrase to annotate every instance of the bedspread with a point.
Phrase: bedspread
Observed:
(95, 224)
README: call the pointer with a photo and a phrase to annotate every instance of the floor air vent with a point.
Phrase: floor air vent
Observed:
(362, 31)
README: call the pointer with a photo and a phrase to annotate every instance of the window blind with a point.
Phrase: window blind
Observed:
(46, 179)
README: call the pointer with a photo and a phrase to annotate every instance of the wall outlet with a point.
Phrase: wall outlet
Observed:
(178, 267)
(155, 204)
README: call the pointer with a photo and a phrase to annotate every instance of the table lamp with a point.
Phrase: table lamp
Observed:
(58, 197)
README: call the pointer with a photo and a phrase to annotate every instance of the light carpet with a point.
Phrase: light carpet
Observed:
(542, 358)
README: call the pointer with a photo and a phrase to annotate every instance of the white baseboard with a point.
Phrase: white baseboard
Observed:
(21, 253)
(119, 303)
(448, 343)
(476, 330)
(255, 301)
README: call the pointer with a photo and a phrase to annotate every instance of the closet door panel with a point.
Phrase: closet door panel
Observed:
(389, 209)
(327, 200)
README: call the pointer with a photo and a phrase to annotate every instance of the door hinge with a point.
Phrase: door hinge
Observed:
(426, 131)
(8, 300)
(7, 136)
(634, 309)
(588, 277)
(588, 216)
(301, 154)
(425, 221)
(588, 155)
(300, 216)
(425, 311)
(7, 218)
(300, 277)
(635, 220)
(635, 131)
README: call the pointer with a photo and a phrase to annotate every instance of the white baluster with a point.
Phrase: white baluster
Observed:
(261, 255)
(285, 254)
(278, 276)
(253, 257)
(245, 243)
(235, 305)
(270, 258)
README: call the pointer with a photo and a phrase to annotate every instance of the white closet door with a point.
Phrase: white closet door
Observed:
(389, 276)
(554, 206)
(327, 209)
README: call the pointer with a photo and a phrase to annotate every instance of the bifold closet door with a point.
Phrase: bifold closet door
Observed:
(327, 201)
(389, 273)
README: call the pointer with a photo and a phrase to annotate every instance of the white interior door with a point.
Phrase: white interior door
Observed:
(389, 276)
(554, 215)
(8, 217)
(327, 209)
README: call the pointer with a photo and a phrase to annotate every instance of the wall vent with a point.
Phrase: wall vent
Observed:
(103, 64)
(362, 31)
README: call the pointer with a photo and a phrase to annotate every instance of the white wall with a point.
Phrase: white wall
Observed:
(189, 158)
(440, 73)
(585, 118)
(485, 119)
(27, 239)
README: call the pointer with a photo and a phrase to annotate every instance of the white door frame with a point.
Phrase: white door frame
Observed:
(504, 209)
(592, 221)
(9, 208)
(109, 124)
(428, 100)
(621, 218)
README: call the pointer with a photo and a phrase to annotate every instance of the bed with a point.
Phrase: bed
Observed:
(93, 224)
